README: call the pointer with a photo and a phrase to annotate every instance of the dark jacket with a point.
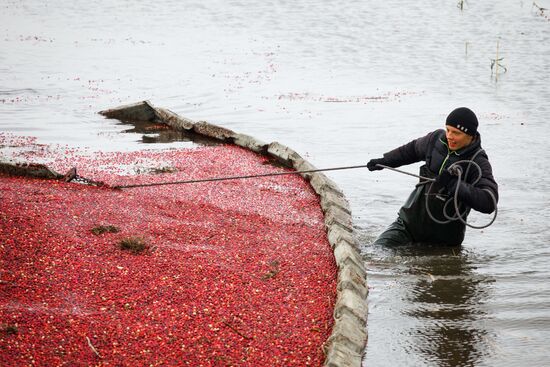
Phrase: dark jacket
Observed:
(473, 190)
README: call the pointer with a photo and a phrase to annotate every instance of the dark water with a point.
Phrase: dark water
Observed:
(340, 82)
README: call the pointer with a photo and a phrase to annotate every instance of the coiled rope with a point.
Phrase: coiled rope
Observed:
(456, 170)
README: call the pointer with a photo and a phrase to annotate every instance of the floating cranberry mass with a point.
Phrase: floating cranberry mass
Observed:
(232, 273)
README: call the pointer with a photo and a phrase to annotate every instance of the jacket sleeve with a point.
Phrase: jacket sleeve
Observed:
(480, 196)
(411, 152)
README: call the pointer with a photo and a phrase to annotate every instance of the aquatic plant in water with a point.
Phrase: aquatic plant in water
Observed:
(495, 64)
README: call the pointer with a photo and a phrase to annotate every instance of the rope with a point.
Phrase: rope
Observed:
(455, 201)
(407, 173)
(456, 169)
(237, 177)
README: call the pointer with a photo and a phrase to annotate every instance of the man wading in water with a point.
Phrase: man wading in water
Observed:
(429, 214)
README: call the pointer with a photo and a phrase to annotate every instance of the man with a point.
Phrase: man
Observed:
(455, 159)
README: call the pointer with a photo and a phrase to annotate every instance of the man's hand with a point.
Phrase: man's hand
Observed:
(447, 181)
(444, 178)
(455, 170)
(372, 165)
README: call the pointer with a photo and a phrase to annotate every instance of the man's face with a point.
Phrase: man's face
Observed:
(456, 138)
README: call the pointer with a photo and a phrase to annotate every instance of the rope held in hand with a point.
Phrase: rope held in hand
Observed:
(237, 177)
(456, 170)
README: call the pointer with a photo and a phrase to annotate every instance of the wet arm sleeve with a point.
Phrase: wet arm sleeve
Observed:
(411, 152)
(477, 196)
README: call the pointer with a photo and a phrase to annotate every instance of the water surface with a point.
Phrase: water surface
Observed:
(340, 82)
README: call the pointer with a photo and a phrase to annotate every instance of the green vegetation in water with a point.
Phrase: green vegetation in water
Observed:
(134, 244)
(495, 64)
(104, 229)
(274, 270)
(9, 329)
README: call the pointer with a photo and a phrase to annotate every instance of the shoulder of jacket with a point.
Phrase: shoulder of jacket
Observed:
(433, 135)
(481, 157)
(478, 152)
(438, 134)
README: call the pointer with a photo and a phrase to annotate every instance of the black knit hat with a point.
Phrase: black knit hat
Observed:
(463, 119)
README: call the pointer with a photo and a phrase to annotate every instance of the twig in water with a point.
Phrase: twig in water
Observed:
(539, 8)
(496, 63)
(430, 276)
(236, 331)
(541, 11)
(92, 347)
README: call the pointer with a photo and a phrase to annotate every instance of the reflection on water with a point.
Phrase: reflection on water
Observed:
(449, 302)
(152, 133)
(442, 293)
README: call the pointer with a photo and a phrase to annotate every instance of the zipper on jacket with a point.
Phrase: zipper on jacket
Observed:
(444, 161)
